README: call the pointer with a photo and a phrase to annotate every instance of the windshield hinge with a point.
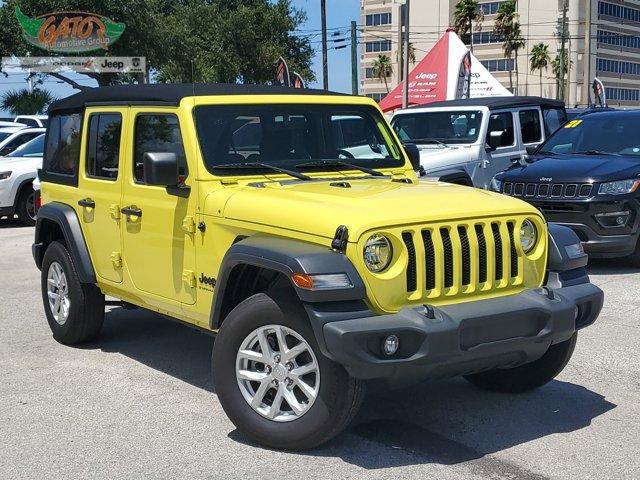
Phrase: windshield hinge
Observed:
(340, 239)
(188, 224)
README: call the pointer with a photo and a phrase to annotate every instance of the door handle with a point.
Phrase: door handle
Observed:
(131, 211)
(87, 203)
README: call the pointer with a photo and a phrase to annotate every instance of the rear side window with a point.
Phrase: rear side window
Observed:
(530, 126)
(554, 118)
(62, 149)
(502, 122)
(103, 145)
(157, 133)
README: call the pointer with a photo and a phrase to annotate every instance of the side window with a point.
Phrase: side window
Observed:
(502, 122)
(103, 145)
(62, 150)
(554, 118)
(530, 126)
(158, 132)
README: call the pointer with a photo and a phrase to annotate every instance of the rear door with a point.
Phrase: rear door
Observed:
(100, 189)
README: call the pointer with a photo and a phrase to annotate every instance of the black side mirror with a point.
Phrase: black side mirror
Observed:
(413, 153)
(494, 139)
(531, 149)
(160, 168)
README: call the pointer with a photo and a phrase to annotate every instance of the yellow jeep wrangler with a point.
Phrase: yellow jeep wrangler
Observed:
(291, 223)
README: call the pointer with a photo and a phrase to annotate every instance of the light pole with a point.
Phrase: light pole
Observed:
(325, 66)
(405, 58)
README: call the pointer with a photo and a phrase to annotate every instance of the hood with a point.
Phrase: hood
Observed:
(318, 208)
(432, 156)
(575, 168)
(24, 163)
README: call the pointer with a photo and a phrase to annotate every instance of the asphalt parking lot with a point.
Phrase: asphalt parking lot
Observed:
(139, 403)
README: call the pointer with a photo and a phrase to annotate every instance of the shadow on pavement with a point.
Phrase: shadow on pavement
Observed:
(6, 222)
(611, 266)
(445, 422)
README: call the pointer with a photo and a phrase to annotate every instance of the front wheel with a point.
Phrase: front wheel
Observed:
(530, 375)
(274, 383)
(26, 206)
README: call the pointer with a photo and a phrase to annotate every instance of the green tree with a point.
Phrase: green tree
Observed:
(383, 69)
(466, 13)
(201, 40)
(539, 59)
(24, 102)
(507, 26)
(557, 73)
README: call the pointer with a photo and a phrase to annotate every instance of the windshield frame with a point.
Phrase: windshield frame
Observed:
(481, 110)
(334, 107)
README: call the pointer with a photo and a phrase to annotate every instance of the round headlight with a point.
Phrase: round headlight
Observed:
(377, 253)
(528, 236)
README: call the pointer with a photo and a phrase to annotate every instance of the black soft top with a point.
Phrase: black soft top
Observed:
(169, 94)
(494, 103)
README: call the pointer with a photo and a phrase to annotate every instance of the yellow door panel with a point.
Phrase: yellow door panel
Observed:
(100, 189)
(158, 238)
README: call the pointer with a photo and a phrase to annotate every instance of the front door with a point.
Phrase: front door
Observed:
(158, 225)
(508, 150)
(100, 189)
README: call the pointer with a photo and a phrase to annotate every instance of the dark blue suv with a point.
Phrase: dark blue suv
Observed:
(587, 176)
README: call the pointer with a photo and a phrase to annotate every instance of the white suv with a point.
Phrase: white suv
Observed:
(32, 120)
(468, 141)
(13, 137)
(17, 172)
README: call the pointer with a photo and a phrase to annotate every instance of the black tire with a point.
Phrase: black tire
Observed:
(530, 375)
(339, 396)
(25, 206)
(86, 302)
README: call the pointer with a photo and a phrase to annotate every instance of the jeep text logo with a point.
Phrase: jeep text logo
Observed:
(426, 76)
(207, 280)
(546, 179)
(69, 32)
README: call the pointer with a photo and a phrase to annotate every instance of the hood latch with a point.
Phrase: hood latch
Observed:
(340, 239)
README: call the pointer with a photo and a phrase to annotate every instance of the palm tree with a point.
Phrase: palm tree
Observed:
(539, 59)
(412, 53)
(382, 69)
(465, 15)
(555, 68)
(25, 102)
(508, 27)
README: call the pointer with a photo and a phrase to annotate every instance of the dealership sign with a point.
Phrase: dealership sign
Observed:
(75, 64)
(69, 32)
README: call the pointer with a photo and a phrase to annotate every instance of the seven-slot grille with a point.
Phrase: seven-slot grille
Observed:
(547, 190)
(462, 259)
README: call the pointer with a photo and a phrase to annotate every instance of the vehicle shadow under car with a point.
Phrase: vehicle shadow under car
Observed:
(441, 422)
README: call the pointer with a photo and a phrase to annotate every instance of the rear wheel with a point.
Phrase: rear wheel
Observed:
(74, 310)
(26, 206)
(530, 375)
(274, 383)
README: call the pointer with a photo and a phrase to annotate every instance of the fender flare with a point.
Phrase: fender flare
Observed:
(19, 185)
(65, 217)
(287, 257)
(449, 176)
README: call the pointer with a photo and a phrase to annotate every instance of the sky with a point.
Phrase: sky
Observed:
(340, 13)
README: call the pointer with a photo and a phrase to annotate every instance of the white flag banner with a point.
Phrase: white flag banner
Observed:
(75, 64)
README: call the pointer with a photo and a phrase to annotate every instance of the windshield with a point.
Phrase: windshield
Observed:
(289, 135)
(4, 136)
(434, 127)
(32, 148)
(615, 133)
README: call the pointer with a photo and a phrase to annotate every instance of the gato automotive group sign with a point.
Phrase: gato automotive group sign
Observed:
(69, 32)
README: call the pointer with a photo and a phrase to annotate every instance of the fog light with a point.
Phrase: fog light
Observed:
(390, 345)
(613, 219)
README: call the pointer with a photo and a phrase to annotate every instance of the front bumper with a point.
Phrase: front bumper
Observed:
(598, 241)
(437, 342)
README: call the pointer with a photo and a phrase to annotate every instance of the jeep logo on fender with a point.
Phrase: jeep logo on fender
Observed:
(204, 280)
(69, 32)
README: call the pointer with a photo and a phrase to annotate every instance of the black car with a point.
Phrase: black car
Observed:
(587, 176)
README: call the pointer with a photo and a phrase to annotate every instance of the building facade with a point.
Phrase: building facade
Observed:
(602, 39)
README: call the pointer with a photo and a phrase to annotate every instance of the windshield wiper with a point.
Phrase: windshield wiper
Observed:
(549, 152)
(429, 140)
(597, 152)
(257, 165)
(338, 163)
